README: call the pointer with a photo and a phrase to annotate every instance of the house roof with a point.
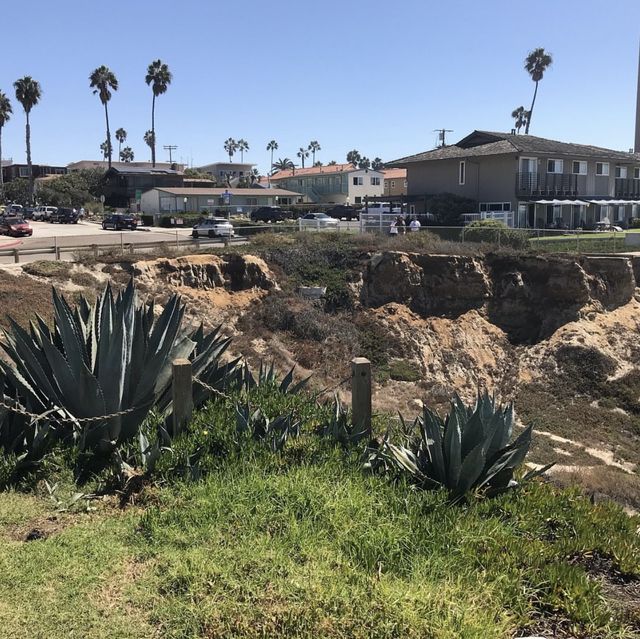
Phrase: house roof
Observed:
(137, 170)
(329, 169)
(184, 191)
(482, 143)
(394, 174)
(103, 164)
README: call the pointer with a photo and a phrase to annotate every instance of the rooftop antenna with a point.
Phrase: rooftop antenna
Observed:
(170, 148)
(442, 135)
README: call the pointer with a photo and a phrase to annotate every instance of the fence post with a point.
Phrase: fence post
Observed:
(182, 393)
(16, 256)
(95, 251)
(177, 240)
(56, 249)
(122, 243)
(361, 392)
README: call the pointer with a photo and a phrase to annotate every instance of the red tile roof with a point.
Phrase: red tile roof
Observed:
(314, 170)
(395, 174)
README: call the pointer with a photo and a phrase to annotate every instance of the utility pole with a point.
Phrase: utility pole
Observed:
(170, 148)
(441, 135)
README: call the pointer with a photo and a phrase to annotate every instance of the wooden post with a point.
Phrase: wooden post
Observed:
(361, 392)
(16, 256)
(182, 394)
(95, 251)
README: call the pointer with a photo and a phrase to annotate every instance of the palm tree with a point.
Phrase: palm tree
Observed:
(230, 146)
(28, 93)
(377, 164)
(282, 164)
(536, 63)
(5, 116)
(242, 146)
(121, 136)
(332, 163)
(272, 146)
(521, 116)
(105, 149)
(302, 154)
(159, 77)
(313, 147)
(150, 138)
(126, 155)
(353, 157)
(102, 81)
(364, 163)
(254, 176)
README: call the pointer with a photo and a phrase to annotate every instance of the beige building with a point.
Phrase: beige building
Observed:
(395, 181)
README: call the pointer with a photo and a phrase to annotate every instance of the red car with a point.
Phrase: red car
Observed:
(15, 226)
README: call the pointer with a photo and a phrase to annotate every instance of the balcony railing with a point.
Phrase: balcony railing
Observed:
(627, 187)
(546, 184)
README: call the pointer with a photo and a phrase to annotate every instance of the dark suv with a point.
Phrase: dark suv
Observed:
(268, 214)
(340, 211)
(119, 222)
(64, 216)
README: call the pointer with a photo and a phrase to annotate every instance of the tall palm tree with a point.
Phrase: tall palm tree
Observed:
(302, 154)
(377, 164)
(521, 116)
(364, 163)
(150, 138)
(103, 81)
(272, 146)
(5, 116)
(313, 147)
(353, 157)
(159, 77)
(536, 63)
(282, 164)
(28, 93)
(230, 146)
(242, 146)
(126, 155)
(121, 136)
(254, 176)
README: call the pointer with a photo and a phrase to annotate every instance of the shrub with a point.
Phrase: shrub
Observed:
(634, 223)
(495, 232)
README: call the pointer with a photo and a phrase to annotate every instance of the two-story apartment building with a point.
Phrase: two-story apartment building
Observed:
(332, 184)
(395, 181)
(529, 181)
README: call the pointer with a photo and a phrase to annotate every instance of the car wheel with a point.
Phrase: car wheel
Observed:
(104, 227)
(195, 234)
(212, 233)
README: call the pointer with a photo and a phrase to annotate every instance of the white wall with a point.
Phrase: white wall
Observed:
(366, 188)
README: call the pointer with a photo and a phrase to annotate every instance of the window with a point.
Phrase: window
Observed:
(495, 206)
(461, 172)
(636, 173)
(405, 184)
(578, 167)
(221, 173)
(23, 171)
(393, 184)
(358, 200)
(358, 181)
(620, 213)
(375, 181)
(604, 212)
(252, 201)
(621, 172)
(554, 166)
(602, 168)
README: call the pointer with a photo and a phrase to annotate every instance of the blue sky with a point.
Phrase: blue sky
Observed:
(373, 75)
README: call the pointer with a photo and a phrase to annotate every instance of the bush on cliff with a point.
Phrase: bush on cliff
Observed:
(495, 232)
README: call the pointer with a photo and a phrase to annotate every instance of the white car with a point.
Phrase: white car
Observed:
(318, 221)
(44, 212)
(213, 227)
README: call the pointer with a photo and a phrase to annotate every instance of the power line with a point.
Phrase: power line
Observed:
(170, 148)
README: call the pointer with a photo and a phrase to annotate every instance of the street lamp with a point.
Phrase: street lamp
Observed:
(186, 199)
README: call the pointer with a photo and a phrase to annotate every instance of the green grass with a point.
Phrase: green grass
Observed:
(306, 544)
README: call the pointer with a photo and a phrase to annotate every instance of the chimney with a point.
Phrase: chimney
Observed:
(636, 145)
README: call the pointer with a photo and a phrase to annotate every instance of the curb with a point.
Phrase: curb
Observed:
(11, 244)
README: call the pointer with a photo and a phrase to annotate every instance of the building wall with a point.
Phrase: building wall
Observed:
(158, 202)
(357, 193)
(395, 186)
(219, 170)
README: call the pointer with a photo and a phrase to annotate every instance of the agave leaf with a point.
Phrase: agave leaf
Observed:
(286, 382)
(472, 468)
(70, 333)
(453, 447)
(432, 428)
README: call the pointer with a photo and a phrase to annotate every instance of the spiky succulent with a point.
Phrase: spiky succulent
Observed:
(340, 428)
(257, 425)
(469, 450)
(267, 376)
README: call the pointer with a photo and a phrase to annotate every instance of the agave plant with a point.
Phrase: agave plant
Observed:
(340, 427)
(267, 376)
(469, 450)
(259, 427)
(97, 373)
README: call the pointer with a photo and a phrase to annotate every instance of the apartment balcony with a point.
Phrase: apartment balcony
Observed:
(546, 184)
(627, 187)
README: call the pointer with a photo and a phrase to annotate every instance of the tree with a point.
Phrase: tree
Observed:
(105, 149)
(159, 77)
(5, 116)
(364, 163)
(272, 146)
(242, 146)
(302, 154)
(313, 147)
(73, 189)
(332, 163)
(318, 163)
(353, 157)
(377, 164)
(150, 138)
(126, 155)
(121, 136)
(103, 81)
(28, 93)
(282, 164)
(254, 176)
(520, 115)
(230, 146)
(536, 63)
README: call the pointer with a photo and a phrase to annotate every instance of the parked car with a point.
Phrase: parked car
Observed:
(213, 227)
(343, 211)
(15, 226)
(43, 212)
(64, 215)
(268, 214)
(27, 213)
(119, 222)
(607, 226)
(13, 209)
(318, 221)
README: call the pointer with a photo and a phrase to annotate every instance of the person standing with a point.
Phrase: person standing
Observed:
(393, 228)
(415, 225)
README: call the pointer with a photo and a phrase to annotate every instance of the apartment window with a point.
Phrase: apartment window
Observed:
(375, 181)
(636, 173)
(462, 172)
(358, 181)
(23, 171)
(221, 173)
(358, 200)
(393, 184)
(495, 206)
(602, 168)
(620, 213)
(578, 167)
(554, 166)
(604, 212)
(621, 171)
(252, 201)
(299, 182)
